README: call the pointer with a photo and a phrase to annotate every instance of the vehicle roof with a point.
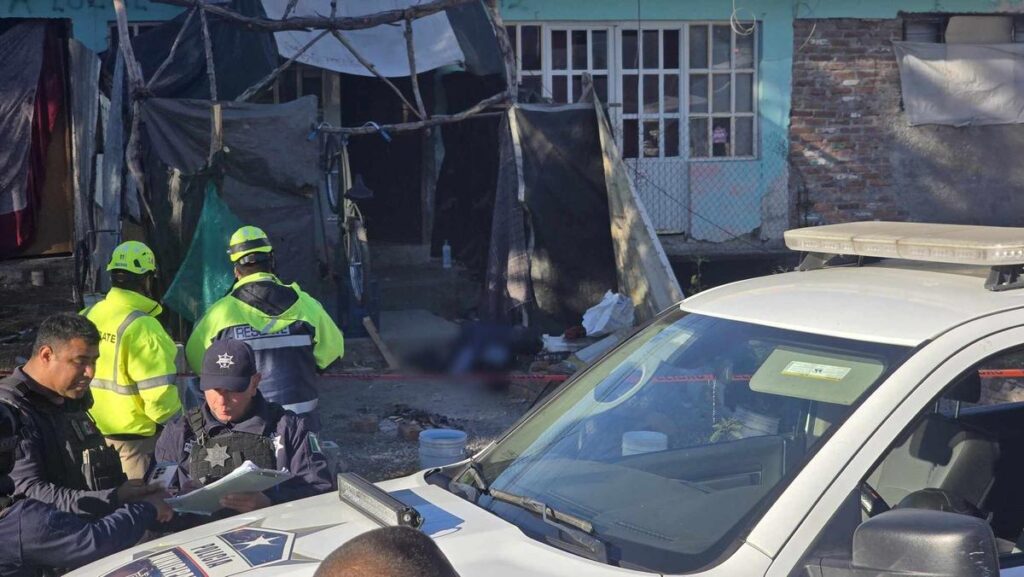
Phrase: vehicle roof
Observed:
(894, 303)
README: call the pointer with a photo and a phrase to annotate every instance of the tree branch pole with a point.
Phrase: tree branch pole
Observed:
(174, 49)
(508, 54)
(133, 155)
(216, 132)
(268, 79)
(411, 50)
(369, 66)
(497, 100)
(211, 73)
(321, 22)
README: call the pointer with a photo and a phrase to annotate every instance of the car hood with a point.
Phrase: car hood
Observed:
(291, 539)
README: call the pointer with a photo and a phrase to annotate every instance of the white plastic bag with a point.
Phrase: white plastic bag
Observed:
(613, 313)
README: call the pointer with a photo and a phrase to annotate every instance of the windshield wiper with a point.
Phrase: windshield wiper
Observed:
(579, 530)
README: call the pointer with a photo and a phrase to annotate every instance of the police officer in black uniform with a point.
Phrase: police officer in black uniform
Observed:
(62, 458)
(36, 539)
(236, 424)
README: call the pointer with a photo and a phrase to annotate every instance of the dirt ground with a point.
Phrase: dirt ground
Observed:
(482, 413)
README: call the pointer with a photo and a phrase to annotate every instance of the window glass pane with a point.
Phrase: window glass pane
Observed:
(670, 49)
(559, 54)
(601, 88)
(560, 89)
(650, 93)
(721, 99)
(671, 137)
(629, 138)
(744, 141)
(698, 137)
(579, 49)
(721, 49)
(599, 50)
(698, 93)
(745, 51)
(744, 93)
(629, 49)
(531, 49)
(699, 46)
(670, 100)
(577, 88)
(650, 136)
(650, 49)
(721, 137)
(629, 94)
(531, 88)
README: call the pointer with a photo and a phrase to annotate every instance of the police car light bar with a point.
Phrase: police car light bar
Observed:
(992, 246)
(375, 503)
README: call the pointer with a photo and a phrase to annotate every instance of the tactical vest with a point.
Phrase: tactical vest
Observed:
(214, 457)
(100, 463)
(87, 450)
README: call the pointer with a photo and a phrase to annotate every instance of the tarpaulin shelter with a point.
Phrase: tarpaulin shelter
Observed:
(568, 224)
(266, 177)
(32, 74)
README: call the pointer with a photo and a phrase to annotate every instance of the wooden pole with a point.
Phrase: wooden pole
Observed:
(322, 22)
(174, 48)
(373, 69)
(211, 73)
(256, 88)
(497, 100)
(508, 54)
(411, 50)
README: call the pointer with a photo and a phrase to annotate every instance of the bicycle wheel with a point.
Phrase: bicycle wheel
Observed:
(357, 250)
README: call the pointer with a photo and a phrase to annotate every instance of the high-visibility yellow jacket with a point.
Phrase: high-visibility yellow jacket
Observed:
(289, 331)
(133, 389)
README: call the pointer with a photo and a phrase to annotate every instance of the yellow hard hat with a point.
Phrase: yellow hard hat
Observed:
(134, 257)
(248, 240)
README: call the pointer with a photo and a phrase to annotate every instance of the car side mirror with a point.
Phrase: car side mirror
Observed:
(919, 542)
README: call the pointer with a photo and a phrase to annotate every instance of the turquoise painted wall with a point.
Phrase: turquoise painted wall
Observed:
(750, 207)
(89, 18)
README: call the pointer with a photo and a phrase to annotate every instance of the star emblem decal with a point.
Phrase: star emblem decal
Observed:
(217, 455)
(258, 541)
(224, 361)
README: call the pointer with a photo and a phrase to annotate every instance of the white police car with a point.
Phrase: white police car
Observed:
(761, 429)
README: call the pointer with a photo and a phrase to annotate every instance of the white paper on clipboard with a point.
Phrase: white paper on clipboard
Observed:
(246, 478)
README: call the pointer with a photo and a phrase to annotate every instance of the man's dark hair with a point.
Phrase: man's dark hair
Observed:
(62, 328)
(387, 552)
(123, 279)
(261, 265)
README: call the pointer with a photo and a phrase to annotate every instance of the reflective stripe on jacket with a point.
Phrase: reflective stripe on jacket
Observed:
(290, 332)
(134, 389)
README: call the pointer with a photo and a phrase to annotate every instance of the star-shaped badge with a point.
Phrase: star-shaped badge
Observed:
(217, 455)
(224, 361)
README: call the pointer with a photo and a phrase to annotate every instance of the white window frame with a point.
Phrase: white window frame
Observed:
(616, 72)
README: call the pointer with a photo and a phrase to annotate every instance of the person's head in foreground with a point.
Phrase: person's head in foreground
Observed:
(387, 552)
(229, 379)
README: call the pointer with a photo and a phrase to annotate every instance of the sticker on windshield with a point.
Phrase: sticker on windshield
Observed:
(816, 371)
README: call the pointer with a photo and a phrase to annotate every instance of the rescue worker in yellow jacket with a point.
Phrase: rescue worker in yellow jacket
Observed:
(291, 334)
(133, 389)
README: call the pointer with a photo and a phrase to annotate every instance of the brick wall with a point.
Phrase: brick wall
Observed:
(845, 95)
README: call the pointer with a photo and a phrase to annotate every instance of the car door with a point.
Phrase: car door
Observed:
(801, 515)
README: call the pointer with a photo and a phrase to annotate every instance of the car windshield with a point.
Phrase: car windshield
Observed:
(672, 445)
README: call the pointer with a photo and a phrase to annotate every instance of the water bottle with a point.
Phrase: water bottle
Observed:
(446, 255)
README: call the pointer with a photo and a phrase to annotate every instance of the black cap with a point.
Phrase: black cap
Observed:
(228, 365)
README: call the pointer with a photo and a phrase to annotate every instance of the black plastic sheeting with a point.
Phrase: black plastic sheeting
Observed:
(268, 176)
(565, 208)
(241, 57)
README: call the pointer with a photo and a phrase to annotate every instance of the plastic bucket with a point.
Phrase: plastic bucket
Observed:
(440, 447)
(637, 442)
(756, 424)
